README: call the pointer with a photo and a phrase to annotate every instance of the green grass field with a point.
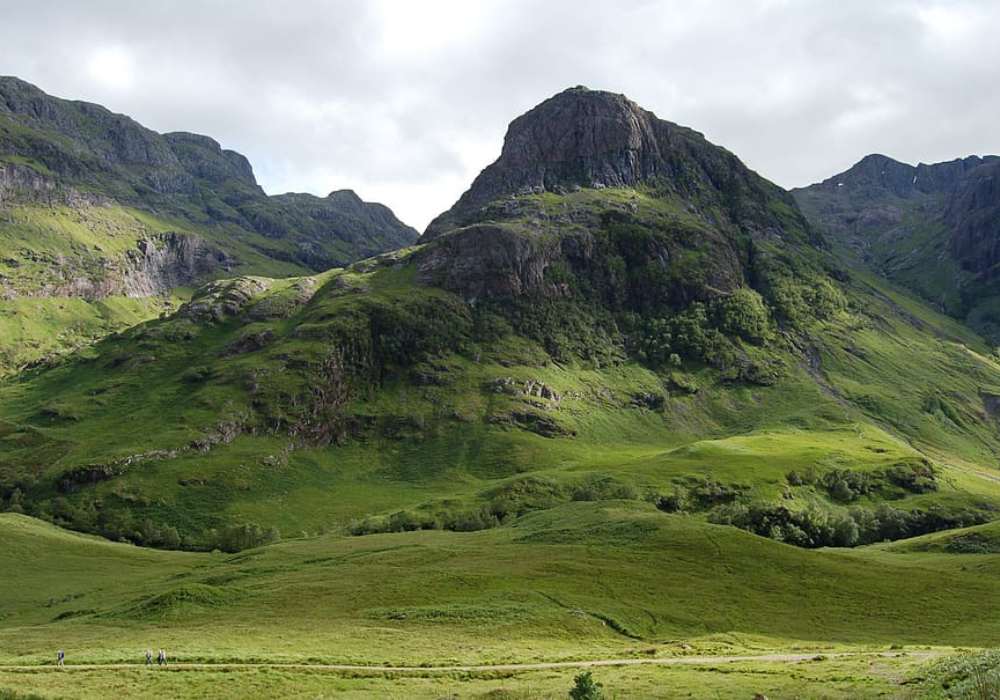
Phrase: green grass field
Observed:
(582, 581)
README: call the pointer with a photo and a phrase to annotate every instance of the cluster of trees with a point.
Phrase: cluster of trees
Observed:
(125, 525)
(505, 503)
(699, 494)
(801, 297)
(846, 486)
(816, 527)
(236, 538)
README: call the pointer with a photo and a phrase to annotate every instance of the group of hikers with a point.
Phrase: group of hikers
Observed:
(161, 657)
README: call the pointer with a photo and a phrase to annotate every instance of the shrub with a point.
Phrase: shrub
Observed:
(744, 313)
(972, 543)
(586, 688)
(236, 538)
(815, 527)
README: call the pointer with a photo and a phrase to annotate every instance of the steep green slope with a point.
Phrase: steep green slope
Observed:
(696, 351)
(700, 354)
(118, 220)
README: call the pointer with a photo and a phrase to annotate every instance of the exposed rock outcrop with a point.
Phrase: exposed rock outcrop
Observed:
(973, 213)
(589, 138)
(155, 266)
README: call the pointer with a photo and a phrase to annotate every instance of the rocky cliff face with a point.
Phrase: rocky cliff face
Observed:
(933, 228)
(973, 213)
(594, 197)
(157, 265)
(584, 138)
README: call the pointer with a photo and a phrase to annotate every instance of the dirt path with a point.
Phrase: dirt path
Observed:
(486, 668)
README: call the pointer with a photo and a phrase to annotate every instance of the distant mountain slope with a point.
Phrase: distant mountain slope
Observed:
(94, 206)
(933, 228)
(685, 340)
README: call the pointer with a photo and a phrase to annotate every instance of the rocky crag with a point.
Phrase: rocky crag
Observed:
(932, 228)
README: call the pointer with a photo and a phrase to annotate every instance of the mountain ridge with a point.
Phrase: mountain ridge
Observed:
(931, 228)
(105, 222)
(685, 341)
(582, 138)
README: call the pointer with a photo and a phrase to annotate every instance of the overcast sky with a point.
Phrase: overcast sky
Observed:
(406, 101)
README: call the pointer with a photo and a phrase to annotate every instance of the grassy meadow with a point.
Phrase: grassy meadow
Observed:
(577, 582)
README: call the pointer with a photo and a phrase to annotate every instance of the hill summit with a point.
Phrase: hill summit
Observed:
(582, 138)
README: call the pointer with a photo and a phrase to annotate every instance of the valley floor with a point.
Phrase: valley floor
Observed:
(654, 605)
(835, 675)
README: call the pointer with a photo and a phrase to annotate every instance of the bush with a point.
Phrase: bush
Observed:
(236, 538)
(972, 543)
(744, 313)
(586, 688)
(969, 676)
(815, 527)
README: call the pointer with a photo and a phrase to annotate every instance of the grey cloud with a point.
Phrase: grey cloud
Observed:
(405, 102)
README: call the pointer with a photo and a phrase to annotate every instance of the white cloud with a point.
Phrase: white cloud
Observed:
(111, 67)
(406, 101)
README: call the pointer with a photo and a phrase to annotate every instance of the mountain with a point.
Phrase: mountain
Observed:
(622, 400)
(686, 339)
(931, 228)
(104, 222)
(582, 138)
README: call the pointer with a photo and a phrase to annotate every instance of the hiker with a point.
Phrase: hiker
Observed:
(60, 657)
(161, 659)
(149, 657)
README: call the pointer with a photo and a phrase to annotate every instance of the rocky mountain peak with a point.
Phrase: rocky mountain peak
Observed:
(878, 175)
(577, 138)
(203, 157)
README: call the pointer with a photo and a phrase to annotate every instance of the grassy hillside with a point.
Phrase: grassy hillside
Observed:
(66, 279)
(364, 400)
(582, 580)
(590, 421)
(117, 222)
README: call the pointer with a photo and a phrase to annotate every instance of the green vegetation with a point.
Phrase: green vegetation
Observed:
(105, 224)
(364, 401)
(548, 588)
(586, 688)
(646, 423)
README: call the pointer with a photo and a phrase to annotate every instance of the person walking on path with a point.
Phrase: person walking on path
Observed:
(60, 657)
(161, 659)
(149, 657)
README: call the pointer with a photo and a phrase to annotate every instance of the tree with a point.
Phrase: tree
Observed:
(171, 539)
(745, 314)
(15, 504)
(586, 688)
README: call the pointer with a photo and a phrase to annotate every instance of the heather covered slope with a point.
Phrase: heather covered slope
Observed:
(103, 222)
